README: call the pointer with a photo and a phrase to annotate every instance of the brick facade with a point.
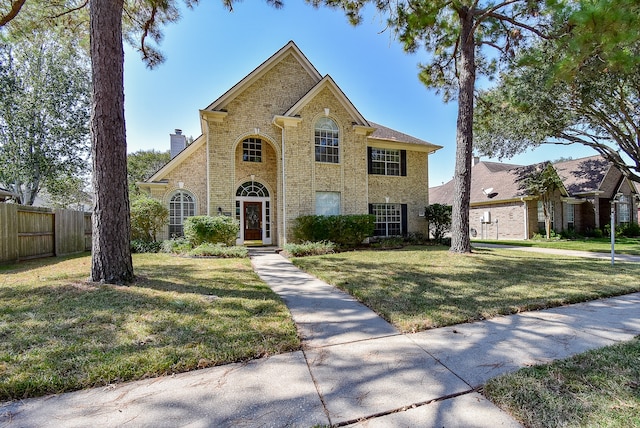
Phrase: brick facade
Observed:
(280, 103)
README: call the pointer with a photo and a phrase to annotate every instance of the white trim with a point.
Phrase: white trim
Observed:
(242, 199)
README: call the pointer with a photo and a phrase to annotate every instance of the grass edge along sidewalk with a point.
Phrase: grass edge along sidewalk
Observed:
(600, 387)
(419, 288)
(62, 333)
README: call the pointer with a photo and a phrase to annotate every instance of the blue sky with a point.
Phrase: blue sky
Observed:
(209, 50)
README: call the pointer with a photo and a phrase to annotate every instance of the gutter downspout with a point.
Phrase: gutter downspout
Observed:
(284, 192)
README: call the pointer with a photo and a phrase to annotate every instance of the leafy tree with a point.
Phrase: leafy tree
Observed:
(439, 218)
(148, 217)
(456, 33)
(108, 25)
(598, 107)
(44, 115)
(69, 193)
(541, 180)
(143, 164)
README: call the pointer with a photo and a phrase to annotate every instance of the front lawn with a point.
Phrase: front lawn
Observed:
(595, 245)
(600, 388)
(425, 287)
(60, 333)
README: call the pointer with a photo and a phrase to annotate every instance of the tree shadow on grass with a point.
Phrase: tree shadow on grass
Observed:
(67, 335)
(449, 289)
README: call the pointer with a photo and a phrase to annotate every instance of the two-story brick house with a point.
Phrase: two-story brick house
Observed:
(284, 142)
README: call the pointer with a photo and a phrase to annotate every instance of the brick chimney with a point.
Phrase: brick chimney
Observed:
(178, 143)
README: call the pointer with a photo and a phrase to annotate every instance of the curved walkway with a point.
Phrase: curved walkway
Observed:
(355, 369)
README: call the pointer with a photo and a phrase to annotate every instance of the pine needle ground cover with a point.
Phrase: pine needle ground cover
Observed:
(59, 332)
(426, 287)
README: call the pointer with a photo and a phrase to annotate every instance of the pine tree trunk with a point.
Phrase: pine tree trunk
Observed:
(460, 241)
(111, 255)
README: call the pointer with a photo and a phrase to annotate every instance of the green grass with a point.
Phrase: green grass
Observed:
(425, 287)
(59, 332)
(600, 388)
(598, 245)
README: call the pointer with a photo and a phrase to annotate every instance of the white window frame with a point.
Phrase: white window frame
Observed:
(327, 141)
(328, 203)
(179, 210)
(386, 162)
(388, 219)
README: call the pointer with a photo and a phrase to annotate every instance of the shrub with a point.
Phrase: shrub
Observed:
(593, 233)
(310, 248)
(439, 218)
(219, 250)
(343, 230)
(148, 217)
(213, 230)
(630, 230)
(143, 246)
(176, 246)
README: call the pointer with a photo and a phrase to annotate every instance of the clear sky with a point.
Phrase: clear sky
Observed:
(209, 50)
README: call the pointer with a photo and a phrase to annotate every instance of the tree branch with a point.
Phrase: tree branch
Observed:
(66, 12)
(518, 24)
(15, 9)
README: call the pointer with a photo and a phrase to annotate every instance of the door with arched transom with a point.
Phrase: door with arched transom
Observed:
(253, 211)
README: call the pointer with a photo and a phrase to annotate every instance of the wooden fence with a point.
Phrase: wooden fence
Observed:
(32, 232)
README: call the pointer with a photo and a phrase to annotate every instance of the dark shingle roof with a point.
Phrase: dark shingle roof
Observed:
(579, 176)
(384, 133)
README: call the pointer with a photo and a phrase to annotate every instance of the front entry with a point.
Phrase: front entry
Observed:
(252, 221)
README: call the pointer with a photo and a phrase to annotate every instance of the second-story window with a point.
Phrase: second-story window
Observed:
(252, 150)
(327, 141)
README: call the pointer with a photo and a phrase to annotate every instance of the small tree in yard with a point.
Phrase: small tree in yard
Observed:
(541, 180)
(148, 217)
(439, 218)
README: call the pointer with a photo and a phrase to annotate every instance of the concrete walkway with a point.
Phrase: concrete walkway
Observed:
(355, 368)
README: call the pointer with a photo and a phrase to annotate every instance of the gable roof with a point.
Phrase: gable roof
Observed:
(328, 83)
(289, 49)
(584, 175)
(579, 176)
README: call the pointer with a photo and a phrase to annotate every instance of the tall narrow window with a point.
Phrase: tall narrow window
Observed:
(624, 210)
(327, 141)
(181, 206)
(571, 215)
(252, 150)
(541, 216)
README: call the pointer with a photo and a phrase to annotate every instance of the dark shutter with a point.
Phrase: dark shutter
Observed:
(403, 209)
(403, 163)
(369, 164)
(371, 209)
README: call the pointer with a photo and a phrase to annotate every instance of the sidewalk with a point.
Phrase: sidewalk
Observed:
(355, 369)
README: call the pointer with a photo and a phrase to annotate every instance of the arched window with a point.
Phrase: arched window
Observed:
(252, 188)
(327, 141)
(181, 205)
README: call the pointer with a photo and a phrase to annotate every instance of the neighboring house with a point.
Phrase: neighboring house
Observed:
(285, 142)
(500, 209)
(5, 195)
